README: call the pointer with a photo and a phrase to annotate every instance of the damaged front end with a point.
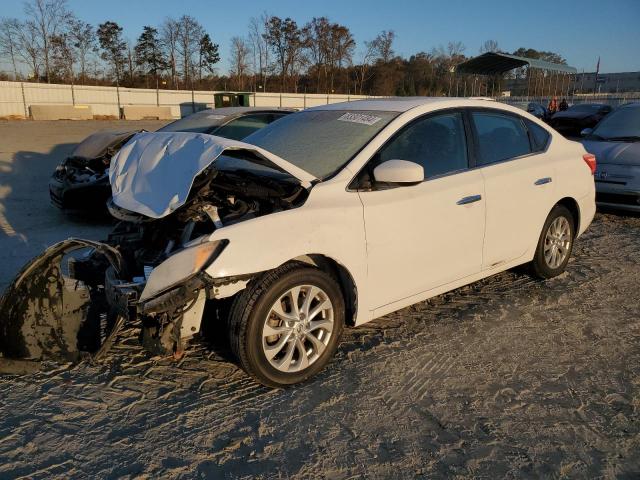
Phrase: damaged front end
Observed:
(81, 181)
(70, 302)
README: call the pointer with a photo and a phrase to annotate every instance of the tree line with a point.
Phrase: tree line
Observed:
(277, 54)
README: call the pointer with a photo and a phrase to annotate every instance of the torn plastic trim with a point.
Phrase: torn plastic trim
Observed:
(47, 314)
(153, 173)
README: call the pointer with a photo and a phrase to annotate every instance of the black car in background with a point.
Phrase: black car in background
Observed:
(80, 182)
(535, 109)
(538, 111)
(578, 117)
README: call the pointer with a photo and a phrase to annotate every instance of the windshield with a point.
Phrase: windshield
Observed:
(623, 122)
(200, 122)
(321, 142)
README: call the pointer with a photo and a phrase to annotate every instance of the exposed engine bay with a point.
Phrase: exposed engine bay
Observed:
(217, 199)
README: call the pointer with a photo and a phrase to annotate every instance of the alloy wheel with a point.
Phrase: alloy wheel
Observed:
(297, 329)
(557, 242)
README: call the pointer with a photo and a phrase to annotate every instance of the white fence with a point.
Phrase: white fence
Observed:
(609, 99)
(17, 97)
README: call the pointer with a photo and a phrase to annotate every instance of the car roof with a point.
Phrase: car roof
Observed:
(404, 104)
(387, 104)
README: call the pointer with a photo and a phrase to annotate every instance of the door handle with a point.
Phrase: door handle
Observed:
(542, 181)
(469, 199)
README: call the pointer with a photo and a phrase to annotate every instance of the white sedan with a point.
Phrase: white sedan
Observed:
(329, 217)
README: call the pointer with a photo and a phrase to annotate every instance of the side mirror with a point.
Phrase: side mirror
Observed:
(586, 131)
(399, 171)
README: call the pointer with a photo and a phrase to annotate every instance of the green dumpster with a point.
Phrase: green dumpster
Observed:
(231, 99)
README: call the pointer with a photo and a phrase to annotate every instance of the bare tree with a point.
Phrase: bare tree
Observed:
(489, 46)
(383, 45)
(29, 48)
(189, 34)
(258, 39)
(169, 41)
(132, 62)
(47, 18)
(363, 70)
(455, 50)
(239, 61)
(10, 41)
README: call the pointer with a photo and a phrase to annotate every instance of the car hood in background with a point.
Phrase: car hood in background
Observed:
(618, 153)
(153, 173)
(573, 115)
(96, 145)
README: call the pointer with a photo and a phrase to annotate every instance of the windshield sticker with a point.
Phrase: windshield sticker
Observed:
(359, 118)
(215, 117)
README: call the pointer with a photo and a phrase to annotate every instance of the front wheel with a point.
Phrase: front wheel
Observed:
(555, 243)
(285, 328)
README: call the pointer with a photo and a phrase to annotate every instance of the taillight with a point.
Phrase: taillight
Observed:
(590, 160)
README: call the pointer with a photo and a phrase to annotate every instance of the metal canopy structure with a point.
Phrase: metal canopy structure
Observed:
(484, 75)
(492, 63)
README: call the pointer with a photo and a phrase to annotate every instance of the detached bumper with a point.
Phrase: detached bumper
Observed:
(55, 308)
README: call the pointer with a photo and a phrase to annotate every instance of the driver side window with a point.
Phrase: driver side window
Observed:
(438, 143)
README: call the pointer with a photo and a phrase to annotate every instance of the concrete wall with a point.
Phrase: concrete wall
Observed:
(16, 98)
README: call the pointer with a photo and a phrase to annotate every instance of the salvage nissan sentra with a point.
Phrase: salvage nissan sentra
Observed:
(329, 217)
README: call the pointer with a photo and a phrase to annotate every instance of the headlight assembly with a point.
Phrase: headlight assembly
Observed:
(182, 265)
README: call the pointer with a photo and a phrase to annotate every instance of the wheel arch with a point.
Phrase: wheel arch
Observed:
(572, 205)
(342, 275)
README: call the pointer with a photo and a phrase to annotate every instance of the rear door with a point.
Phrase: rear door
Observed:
(518, 176)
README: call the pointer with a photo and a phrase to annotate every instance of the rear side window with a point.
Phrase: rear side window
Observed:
(500, 137)
(436, 142)
(244, 126)
(539, 136)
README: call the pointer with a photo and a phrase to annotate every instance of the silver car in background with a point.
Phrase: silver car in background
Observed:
(615, 142)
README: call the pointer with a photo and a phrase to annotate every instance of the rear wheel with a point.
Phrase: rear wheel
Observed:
(286, 327)
(555, 243)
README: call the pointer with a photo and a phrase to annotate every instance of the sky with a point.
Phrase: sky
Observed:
(579, 30)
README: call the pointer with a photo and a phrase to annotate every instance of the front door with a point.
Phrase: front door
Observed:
(423, 236)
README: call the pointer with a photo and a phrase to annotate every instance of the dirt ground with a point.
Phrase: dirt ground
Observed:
(506, 378)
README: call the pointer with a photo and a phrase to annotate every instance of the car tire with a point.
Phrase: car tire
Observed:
(555, 243)
(280, 344)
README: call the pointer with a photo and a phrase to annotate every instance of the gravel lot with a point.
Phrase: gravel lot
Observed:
(506, 378)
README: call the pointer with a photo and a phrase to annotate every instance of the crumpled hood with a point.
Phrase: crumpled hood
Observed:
(96, 145)
(153, 173)
(617, 153)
